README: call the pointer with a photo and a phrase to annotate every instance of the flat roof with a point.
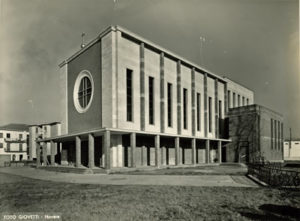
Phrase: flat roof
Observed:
(247, 107)
(148, 44)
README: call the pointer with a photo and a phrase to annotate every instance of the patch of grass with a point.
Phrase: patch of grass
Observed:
(199, 170)
(102, 202)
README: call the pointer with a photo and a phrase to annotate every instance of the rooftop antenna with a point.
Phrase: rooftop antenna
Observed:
(82, 40)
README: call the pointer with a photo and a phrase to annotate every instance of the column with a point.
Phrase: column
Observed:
(193, 103)
(142, 86)
(133, 146)
(45, 154)
(220, 151)
(205, 106)
(91, 151)
(38, 154)
(157, 151)
(106, 146)
(162, 94)
(53, 148)
(78, 151)
(226, 101)
(207, 147)
(216, 109)
(177, 151)
(179, 97)
(194, 151)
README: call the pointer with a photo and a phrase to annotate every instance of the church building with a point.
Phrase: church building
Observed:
(128, 102)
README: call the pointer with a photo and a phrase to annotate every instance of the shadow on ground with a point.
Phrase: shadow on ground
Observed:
(272, 212)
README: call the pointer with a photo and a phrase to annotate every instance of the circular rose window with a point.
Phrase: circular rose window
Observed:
(83, 91)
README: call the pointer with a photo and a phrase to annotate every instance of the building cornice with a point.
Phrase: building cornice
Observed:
(148, 44)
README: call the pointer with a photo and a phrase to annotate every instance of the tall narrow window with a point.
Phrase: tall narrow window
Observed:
(151, 100)
(243, 101)
(272, 134)
(184, 108)
(233, 105)
(229, 99)
(8, 135)
(169, 104)
(209, 115)
(198, 111)
(129, 94)
(239, 100)
(220, 110)
(247, 101)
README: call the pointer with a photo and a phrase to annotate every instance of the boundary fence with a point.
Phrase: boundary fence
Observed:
(274, 174)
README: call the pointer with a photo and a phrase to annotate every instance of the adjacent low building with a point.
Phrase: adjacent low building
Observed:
(256, 133)
(292, 150)
(13, 143)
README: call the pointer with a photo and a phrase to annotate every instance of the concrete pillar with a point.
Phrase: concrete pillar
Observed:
(162, 93)
(133, 146)
(53, 149)
(178, 97)
(220, 151)
(194, 151)
(205, 106)
(106, 146)
(142, 86)
(177, 160)
(207, 152)
(38, 154)
(216, 109)
(45, 161)
(193, 103)
(157, 151)
(91, 151)
(163, 156)
(78, 151)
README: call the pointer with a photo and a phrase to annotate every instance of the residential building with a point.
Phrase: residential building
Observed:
(13, 142)
(42, 131)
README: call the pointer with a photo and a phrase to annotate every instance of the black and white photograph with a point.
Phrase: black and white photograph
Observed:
(149, 110)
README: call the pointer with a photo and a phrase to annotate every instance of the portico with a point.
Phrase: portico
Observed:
(110, 148)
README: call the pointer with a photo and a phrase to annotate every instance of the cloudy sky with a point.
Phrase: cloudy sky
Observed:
(253, 42)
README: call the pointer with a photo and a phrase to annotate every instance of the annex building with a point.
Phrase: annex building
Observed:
(128, 102)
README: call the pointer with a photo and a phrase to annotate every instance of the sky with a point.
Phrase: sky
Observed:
(253, 42)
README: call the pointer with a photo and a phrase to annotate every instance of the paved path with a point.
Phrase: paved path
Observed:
(120, 179)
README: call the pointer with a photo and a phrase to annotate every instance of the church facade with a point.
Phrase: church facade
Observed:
(128, 102)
